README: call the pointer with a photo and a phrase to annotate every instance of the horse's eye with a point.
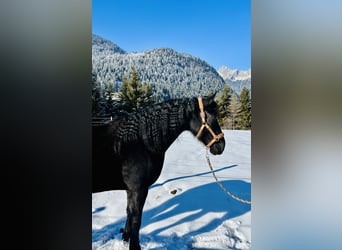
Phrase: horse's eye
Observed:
(213, 109)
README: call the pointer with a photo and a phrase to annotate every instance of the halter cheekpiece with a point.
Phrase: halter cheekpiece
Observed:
(216, 137)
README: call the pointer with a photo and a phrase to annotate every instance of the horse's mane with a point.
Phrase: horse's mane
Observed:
(153, 125)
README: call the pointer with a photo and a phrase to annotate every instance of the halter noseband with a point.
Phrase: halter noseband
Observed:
(216, 138)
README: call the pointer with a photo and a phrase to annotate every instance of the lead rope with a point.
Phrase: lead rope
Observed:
(220, 184)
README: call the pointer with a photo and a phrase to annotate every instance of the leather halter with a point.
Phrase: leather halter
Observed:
(216, 138)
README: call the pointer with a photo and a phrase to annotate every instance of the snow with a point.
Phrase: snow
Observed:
(234, 74)
(185, 208)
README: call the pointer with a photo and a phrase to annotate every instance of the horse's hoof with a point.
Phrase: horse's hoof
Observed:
(134, 247)
(125, 235)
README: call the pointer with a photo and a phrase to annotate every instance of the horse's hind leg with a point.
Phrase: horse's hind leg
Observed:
(127, 230)
(135, 204)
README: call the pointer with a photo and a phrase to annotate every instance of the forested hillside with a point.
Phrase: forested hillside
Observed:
(128, 81)
(171, 74)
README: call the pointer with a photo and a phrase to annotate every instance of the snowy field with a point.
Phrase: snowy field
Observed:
(185, 208)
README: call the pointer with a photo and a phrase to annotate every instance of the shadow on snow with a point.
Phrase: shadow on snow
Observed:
(189, 176)
(196, 202)
(201, 200)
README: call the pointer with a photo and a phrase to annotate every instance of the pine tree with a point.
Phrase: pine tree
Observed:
(233, 110)
(110, 105)
(245, 116)
(98, 102)
(135, 95)
(95, 95)
(223, 103)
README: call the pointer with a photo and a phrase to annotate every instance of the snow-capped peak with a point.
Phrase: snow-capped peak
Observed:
(234, 74)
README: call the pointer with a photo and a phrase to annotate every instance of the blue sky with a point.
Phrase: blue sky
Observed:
(217, 31)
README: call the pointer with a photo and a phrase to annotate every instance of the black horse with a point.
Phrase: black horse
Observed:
(128, 152)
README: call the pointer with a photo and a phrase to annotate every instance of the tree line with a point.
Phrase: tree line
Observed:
(234, 111)
(133, 95)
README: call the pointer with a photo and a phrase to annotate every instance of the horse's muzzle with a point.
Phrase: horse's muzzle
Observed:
(218, 147)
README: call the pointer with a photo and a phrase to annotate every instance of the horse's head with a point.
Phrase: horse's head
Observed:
(204, 125)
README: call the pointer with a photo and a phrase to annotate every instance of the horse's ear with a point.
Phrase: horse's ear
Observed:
(207, 100)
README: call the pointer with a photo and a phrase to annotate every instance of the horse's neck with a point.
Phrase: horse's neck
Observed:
(156, 127)
(177, 122)
(168, 121)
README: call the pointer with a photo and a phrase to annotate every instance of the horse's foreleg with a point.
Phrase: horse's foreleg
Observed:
(135, 204)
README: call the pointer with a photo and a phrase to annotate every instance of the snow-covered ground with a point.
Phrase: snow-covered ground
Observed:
(185, 208)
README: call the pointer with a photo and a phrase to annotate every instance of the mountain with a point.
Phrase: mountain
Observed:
(101, 46)
(236, 79)
(171, 74)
